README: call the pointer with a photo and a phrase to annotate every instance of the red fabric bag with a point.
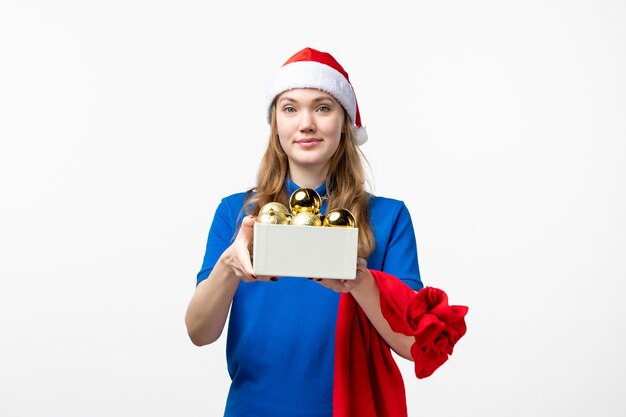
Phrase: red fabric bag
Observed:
(367, 381)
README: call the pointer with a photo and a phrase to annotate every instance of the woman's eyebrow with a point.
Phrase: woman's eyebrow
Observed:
(318, 99)
(315, 100)
(289, 99)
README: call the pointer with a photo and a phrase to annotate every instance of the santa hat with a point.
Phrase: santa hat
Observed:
(310, 68)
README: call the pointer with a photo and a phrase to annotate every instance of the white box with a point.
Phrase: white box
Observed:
(305, 251)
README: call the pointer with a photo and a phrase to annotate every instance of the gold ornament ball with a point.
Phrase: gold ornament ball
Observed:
(273, 217)
(305, 199)
(306, 218)
(277, 207)
(339, 218)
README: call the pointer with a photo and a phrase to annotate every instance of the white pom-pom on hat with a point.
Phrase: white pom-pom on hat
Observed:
(310, 68)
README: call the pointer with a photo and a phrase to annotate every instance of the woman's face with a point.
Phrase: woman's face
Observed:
(309, 124)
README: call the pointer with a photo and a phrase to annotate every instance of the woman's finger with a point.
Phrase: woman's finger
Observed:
(242, 267)
(247, 229)
(335, 285)
(246, 265)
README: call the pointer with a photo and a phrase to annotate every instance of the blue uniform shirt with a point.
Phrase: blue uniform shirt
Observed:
(280, 347)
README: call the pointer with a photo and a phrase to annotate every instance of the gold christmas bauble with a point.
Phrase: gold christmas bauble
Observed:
(273, 217)
(306, 218)
(305, 199)
(339, 218)
(277, 207)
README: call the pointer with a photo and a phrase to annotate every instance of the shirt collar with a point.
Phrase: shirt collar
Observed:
(292, 186)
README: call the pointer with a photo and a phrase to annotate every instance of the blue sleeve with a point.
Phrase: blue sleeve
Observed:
(401, 255)
(221, 235)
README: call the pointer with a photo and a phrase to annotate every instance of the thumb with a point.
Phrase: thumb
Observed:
(247, 225)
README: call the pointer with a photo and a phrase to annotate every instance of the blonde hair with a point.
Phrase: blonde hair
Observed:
(345, 181)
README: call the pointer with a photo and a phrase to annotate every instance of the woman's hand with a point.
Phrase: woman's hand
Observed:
(347, 285)
(238, 256)
(208, 309)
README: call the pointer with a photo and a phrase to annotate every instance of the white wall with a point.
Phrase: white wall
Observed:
(122, 124)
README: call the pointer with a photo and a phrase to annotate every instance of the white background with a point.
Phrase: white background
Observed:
(122, 123)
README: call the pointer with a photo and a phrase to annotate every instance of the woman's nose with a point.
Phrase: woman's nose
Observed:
(307, 121)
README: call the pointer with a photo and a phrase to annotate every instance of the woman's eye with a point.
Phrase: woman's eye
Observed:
(289, 109)
(323, 108)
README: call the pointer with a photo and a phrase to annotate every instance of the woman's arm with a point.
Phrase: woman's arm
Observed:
(365, 292)
(367, 296)
(210, 303)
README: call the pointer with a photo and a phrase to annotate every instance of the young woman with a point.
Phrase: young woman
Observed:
(281, 336)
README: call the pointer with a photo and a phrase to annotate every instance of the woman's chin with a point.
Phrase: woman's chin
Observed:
(309, 158)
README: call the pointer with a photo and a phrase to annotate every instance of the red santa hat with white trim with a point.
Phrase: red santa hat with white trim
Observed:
(310, 68)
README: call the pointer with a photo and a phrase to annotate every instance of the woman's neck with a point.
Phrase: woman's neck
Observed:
(308, 177)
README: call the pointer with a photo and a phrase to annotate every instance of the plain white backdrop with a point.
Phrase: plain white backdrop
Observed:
(501, 124)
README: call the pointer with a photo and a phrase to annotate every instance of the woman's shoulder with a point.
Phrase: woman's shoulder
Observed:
(389, 209)
(236, 197)
(377, 201)
(233, 203)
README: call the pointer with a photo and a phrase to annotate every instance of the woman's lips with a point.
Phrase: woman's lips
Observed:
(308, 142)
